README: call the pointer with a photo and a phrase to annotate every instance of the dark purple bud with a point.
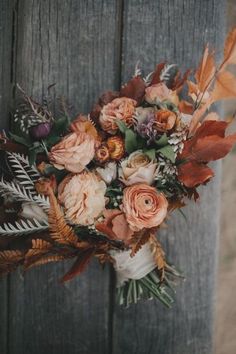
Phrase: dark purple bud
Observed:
(40, 131)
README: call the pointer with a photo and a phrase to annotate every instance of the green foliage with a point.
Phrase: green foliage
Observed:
(24, 140)
(168, 152)
(162, 141)
(151, 153)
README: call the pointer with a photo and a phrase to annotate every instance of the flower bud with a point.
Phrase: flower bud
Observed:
(40, 131)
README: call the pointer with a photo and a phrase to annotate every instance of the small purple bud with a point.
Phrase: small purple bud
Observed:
(40, 131)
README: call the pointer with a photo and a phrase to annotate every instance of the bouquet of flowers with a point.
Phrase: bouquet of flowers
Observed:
(103, 184)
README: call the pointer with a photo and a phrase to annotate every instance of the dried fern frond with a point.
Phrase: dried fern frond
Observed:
(44, 260)
(23, 227)
(39, 247)
(168, 72)
(21, 162)
(16, 191)
(9, 260)
(42, 201)
(20, 172)
(158, 254)
(60, 231)
(138, 240)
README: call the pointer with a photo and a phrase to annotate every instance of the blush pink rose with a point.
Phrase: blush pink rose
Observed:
(144, 207)
(119, 109)
(73, 152)
(83, 197)
(160, 92)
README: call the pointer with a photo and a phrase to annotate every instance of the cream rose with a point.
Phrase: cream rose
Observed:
(73, 152)
(83, 197)
(119, 109)
(144, 207)
(137, 168)
(160, 92)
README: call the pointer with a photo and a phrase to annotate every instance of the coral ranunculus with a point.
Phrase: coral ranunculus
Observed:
(119, 109)
(137, 168)
(160, 92)
(83, 197)
(144, 207)
(73, 152)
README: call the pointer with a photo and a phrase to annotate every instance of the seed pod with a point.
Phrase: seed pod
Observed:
(40, 131)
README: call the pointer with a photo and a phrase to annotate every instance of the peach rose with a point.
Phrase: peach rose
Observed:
(137, 168)
(120, 108)
(160, 92)
(165, 120)
(83, 197)
(144, 207)
(82, 124)
(73, 152)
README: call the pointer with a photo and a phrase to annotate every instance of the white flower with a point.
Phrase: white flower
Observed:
(135, 267)
(137, 168)
(108, 173)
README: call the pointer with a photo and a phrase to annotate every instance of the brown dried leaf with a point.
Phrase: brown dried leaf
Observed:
(80, 264)
(230, 48)
(157, 73)
(192, 174)
(225, 86)
(159, 255)
(206, 70)
(39, 247)
(135, 89)
(139, 239)
(10, 260)
(43, 260)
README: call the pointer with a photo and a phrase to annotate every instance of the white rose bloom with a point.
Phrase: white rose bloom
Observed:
(136, 267)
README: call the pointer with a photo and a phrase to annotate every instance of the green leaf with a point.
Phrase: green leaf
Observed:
(51, 140)
(122, 126)
(21, 140)
(162, 141)
(150, 153)
(168, 152)
(131, 143)
(33, 151)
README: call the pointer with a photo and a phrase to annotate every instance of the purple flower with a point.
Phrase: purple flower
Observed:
(146, 128)
(40, 131)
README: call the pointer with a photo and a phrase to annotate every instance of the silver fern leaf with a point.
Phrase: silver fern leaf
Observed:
(31, 170)
(168, 72)
(23, 227)
(42, 201)
(16, 191)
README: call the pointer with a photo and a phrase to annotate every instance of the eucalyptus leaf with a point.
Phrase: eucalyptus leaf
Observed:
(21, 140)
(151, 153)
(168, 152)
(162, 141)
(122, 126)
(131, 143)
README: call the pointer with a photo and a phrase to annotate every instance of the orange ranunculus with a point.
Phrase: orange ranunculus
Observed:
(144, 207)
(160, 92)
(119, 109)
(165, 120)
(83, 197)
(73, 152)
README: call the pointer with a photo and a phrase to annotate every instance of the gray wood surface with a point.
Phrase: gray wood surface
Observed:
(74, 44)
(6, 18)
(175, 31)
(77, 44)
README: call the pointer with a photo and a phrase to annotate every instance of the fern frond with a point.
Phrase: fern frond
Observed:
(30, 169)
(23, 227)
(20, 172)
(9, 260)
(44, 260)
(42, 201)
(16, 191)
(167, 72)
(60, 231)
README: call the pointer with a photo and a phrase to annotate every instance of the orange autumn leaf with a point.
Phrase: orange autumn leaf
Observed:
(185, 107)
(192, 173)
(205, 70)
(230, 48)
(225, 86)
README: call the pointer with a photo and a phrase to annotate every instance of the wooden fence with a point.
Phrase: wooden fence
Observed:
(86, 47)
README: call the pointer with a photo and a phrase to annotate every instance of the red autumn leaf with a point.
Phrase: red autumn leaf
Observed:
(192, 174)
(80, 264)
(225, 86)
(157, 73)
(180, 80)
(135, 89)
(211, 148)
(186, 107)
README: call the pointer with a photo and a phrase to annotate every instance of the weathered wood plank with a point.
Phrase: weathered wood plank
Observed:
(75, 44)
(6, 17)
(175, 30)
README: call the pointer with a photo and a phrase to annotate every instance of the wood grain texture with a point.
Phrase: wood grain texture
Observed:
(175, 30)
(74, 44)
(6, 18)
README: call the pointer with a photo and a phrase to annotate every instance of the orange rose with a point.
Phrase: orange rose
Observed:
(144, 207)
(165, 120)
(73, 152)
(83, 197)
(120, 108)
(160, 92)
(83, 125)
